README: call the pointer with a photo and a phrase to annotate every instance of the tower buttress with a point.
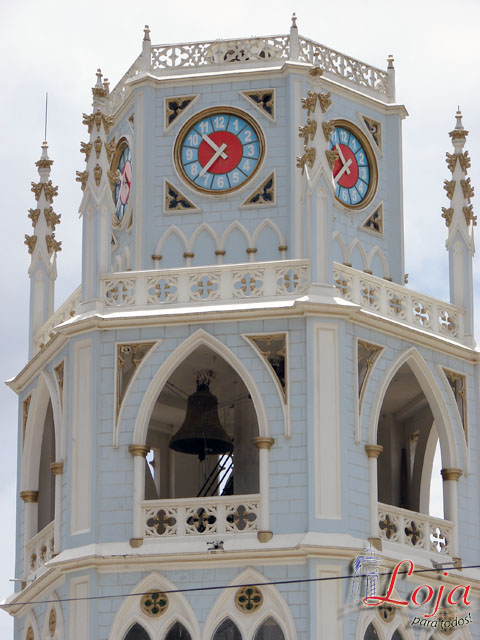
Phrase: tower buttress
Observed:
(97, 205)
(460, 221)
(43, 247)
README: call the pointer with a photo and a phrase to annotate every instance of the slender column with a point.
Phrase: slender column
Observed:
(263, 445)
(30, 498)
(57, 469)
(450, 502)
(373, 451)
(139, 452)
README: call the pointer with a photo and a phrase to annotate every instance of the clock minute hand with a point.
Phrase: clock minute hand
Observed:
(342, 158)
(342, 170)
(213, 145)
(212, 159)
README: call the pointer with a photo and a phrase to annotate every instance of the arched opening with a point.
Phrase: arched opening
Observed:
(178, 632)
(137, 632)
(46, 479)
(269, 630)
(370, 633)
(204, 471)
(227, 630)
(406, 432)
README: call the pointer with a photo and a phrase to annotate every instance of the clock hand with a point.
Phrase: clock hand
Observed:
(342, 157)
(213, 145)
(342, 170)
(212, 159)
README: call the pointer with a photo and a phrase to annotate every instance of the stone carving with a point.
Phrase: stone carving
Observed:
(468, 191)
(82, 177)
(447, 215)
(51, 217)
(52, 244)
(449, 186)
(308, 131)
(469, 217)
(265, 194)
(30, 241)
(328, 128)
(264, 99)
(332, 157)
(86, 148)
(451, 160)
(308, 158)
(33, 215)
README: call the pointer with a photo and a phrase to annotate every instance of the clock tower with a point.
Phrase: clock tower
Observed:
(241, 403)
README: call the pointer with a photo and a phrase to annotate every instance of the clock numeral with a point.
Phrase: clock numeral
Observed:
(204, 126)
(353, 144)
(219, 122)
(245, 166)
(361, 158)
(363, 173)
(252, 150)
(343, 136)
(354, 196)
(344, 196)
(361, 187)
(236, 125)
(247, 136)
(193, 139)
(334, 138)
(235, 177)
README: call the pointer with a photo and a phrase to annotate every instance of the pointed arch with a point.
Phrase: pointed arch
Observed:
(341, 244)
(30, 621)
(178, 608)
(357, 246)
(45, 392)
(435, 398)
(175, 231)
(203, 227)
(231, 227)
(274, 606)
(370, 619)
(58, 633)
(377, 252)
(268, 223)
(199, 337)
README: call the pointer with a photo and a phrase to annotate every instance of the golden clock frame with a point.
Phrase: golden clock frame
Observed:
(126, 220)
(191, 122)
(372, 164)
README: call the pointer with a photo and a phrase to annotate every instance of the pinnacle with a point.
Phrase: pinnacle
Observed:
(146, 33)
(294, 21)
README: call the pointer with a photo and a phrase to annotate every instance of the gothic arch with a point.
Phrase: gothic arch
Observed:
(368, 617)
(341, 244)
(274, 606)
(376, 251)
(30, 621)
(200, 337)
(45, 391)
(356, 245)
(59, 633)
(130, 611)
(268, 224)
(203, 227)
(435, 398)
(172, 230)
(235, 225)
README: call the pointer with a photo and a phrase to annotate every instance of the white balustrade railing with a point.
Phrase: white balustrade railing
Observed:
(40, 548)
(248, 281)
(414, 529)
(197, 516)
(403, 305)
(253, 52)
(64, 312)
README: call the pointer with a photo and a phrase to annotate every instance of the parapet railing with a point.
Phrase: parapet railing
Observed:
(64, 312)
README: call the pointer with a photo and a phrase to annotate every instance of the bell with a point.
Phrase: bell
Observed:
(201, 433)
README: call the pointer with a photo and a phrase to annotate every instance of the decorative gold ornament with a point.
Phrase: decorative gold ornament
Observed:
(325, 101)
(140, 450)
(308, 131)
(262, 442)
(175, 200)
(30, 241)
(469, 217)
(386, 612)
(375, 129)
(458, 134)
(51, 217)
(367, 355)
(82, 177)
(308, 158)
(86, 148)
(52, 622)
(129, 357)
(26, 407)
(113, 177)
(468, 191)
(59, 375)
(464, 159)
(451, 474)
(374, 222)
(248, 599)
(328, 128)
(30, 635)
(273, 349)
(98, 146)
(265, 194)
(154, 604)
(88, 120)
(264, 99)
(332, 157)
(373, 450)
(449, 186)
(315, 72)
(44, 163)
(99, 92)
(110, 148)
(458, 385)
(52, 244)
(97, 174)
(310, 102)
(108, 122)
(33, 215)
(447, 215)
(451, 161)
(57, 467)
(37, 189)
(175, 106)
(50, 191)
(29, 495)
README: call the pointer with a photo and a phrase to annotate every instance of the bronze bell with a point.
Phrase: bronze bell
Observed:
(201, 433)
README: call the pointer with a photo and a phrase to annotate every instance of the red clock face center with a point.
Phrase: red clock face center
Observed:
(125, 182)
(349, 176)
(233, 151)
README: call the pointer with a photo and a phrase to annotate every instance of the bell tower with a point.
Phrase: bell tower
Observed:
(228, 431)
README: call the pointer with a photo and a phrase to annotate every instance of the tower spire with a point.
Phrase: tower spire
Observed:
(460, 220)
(42, 246)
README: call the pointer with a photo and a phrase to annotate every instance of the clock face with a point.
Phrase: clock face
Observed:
(219, 150)
(122, 188)
(355, 170)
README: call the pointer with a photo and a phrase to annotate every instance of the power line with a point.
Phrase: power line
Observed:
(231, 586)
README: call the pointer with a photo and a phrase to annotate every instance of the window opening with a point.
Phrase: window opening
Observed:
(228, 630)
(137, 632)
(178, 632)
(269, 630)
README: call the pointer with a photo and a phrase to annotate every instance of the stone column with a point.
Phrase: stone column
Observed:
(57, 469)
(263, 445)
(373, 451)
(30, 499)
(450, 502)
(139, 453)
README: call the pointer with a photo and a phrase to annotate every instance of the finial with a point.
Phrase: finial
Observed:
(459, 132)
(99, 90)
(294, 21)
(390, 61)
(99, 79)
(458, 116)
(146, 33)
(106, 85)
(44, 162)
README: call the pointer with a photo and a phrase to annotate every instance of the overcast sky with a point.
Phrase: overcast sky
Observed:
(56, 46)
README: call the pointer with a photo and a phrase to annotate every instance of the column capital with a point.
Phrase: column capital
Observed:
(57, 467)
(263, 442)
(451, 473)
(373, 450)
(138, 450)
(29, 496)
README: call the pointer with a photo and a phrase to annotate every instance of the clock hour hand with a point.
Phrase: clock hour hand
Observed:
(213, 145)
(213, 159)
(342, 170)
(342, 158)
